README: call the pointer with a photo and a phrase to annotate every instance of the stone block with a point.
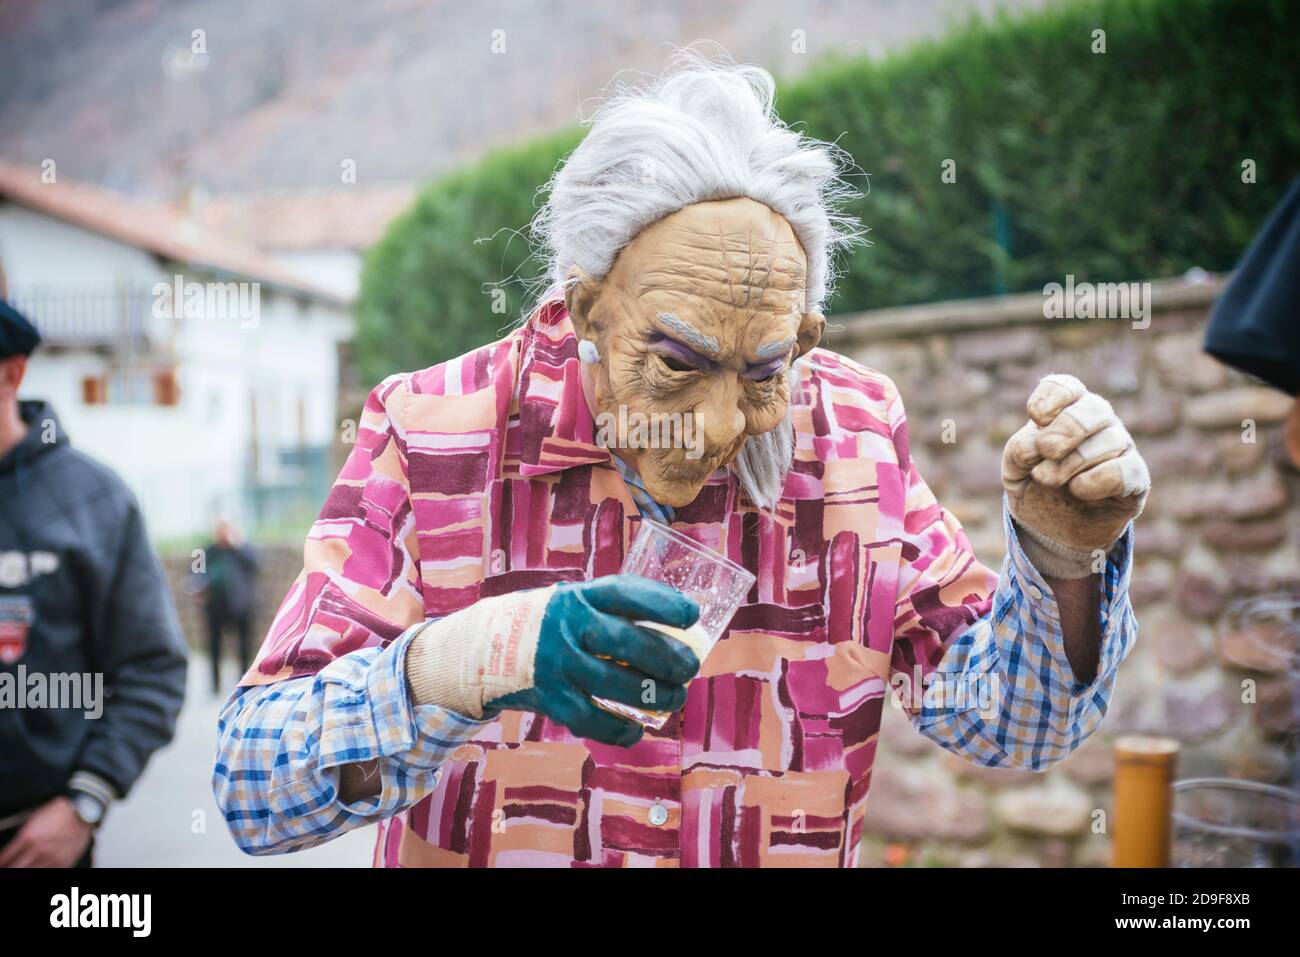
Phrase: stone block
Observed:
(992, 347)
(1184, 366)
(1229, 408)
(1199, 597)
(1092, 764)
(1243, 536)
(1163, 539)
(910, 804)
(1112, 368)
(1257, 497)
(1197, 709)
(1185, 501)
(993, 778)
(1152, 582)
(1057, 809)
(1263, 645)
(1179, 456)
(1237, 457)
(1152, 415)
(1277, 707)
(1179, 645)
(897, 736)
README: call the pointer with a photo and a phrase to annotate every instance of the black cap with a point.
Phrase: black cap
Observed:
(18, 337)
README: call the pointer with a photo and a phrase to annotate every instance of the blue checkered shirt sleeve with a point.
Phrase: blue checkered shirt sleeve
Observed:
(1006, 692)
(280, 747)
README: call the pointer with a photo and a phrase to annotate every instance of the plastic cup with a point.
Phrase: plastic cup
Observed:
(717, 585)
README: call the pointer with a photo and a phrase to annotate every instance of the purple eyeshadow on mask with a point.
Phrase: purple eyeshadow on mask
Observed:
(765, 370)
(665, 346)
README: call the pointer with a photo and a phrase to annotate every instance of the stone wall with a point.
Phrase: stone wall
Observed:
(1220, 526)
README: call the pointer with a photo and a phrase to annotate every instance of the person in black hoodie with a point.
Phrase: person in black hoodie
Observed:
(92, 665)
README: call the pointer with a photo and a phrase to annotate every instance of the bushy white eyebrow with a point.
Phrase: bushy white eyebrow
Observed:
(769, 349)
(688, 332)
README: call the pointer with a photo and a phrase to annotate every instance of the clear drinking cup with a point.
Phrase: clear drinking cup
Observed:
(717, 585)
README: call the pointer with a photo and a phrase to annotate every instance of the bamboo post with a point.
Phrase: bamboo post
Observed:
(1142, 831)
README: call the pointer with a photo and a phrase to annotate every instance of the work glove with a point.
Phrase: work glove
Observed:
(549, 650)
(1074, 479)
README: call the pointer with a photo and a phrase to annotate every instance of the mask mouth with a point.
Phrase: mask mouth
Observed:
(675, 466)
(678, 468)
(727, 457)
(692, 470)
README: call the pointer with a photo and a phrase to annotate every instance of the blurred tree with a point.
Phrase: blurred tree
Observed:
(1117, 165)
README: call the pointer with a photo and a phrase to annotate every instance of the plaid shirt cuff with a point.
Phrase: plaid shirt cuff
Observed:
(407, 740)
(278, 746)
(1118, 626)
(1027, 710)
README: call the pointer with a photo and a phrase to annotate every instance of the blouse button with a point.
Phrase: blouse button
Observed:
(658, 814)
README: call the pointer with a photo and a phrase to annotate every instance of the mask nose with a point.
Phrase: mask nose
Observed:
(719, 418)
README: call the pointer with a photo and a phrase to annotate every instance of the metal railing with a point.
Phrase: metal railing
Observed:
(111, 314)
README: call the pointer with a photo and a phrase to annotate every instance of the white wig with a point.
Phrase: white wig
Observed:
(703, 130)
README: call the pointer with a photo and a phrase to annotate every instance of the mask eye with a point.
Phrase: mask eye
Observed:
(768, 380)
(674, 364)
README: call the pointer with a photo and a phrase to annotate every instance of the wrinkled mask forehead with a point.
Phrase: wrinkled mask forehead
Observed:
(724, 280)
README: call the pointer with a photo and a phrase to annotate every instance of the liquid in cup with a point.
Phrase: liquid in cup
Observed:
(717, 585)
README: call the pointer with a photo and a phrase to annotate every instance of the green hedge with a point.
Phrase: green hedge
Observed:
(1122, 165)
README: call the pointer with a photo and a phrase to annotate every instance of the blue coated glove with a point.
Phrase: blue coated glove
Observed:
(588, 645)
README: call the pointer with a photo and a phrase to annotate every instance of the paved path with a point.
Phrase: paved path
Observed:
(171, 820)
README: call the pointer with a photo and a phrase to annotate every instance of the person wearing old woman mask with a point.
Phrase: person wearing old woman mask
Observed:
(432, 669)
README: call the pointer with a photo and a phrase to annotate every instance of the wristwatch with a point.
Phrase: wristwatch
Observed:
(90, 795)
(89, 808)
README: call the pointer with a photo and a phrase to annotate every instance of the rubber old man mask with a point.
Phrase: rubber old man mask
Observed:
(697, 322)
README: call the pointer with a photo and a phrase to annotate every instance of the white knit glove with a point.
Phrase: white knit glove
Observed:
(479, 653)
(1073, 477)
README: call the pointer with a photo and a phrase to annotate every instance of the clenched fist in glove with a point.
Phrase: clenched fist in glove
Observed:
(1073, 477)
(549, 650)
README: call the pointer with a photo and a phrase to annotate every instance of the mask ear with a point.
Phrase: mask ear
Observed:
(580, 295)
(810, 332)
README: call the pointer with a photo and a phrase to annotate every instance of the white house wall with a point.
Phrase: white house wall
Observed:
(188, 463)
(338, 270)
(37, 249)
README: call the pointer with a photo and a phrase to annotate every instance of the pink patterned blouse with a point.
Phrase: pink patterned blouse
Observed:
(480, 476)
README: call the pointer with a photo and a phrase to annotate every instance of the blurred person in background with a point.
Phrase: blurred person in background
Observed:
(92, 666)
(227, 587)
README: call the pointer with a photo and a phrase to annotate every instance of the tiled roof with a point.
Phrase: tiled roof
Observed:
(341, 217)
(161, 229)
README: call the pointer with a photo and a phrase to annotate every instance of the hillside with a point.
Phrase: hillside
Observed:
(286, 93)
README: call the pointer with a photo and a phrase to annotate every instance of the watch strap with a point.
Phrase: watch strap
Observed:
(94, 786)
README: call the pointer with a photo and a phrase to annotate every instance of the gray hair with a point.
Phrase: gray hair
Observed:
(704, 130)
